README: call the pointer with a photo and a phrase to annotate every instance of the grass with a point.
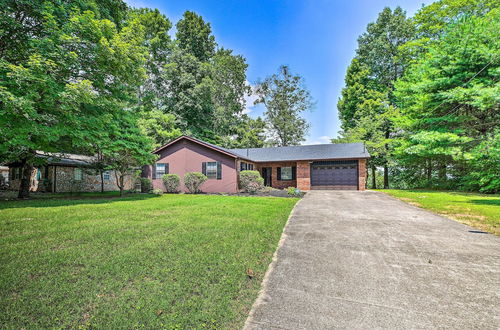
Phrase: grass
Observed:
(174, 261)
(12, 195)
(476, 210)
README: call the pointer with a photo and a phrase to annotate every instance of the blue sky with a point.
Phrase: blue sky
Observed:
(316, 38)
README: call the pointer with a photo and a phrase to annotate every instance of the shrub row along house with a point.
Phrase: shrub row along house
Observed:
(323, 166)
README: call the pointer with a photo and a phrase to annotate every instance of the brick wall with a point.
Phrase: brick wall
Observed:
(279, 184)
(303, 175)
(362, 174)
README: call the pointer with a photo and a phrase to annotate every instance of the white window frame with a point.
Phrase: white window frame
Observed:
(106, 175)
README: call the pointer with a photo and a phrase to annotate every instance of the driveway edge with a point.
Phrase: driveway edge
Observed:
(261, 297)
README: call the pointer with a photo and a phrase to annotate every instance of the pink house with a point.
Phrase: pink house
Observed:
(325, 166)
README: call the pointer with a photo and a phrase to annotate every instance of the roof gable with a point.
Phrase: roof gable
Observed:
(200, 142)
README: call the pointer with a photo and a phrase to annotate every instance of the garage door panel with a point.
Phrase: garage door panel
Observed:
(324, 174)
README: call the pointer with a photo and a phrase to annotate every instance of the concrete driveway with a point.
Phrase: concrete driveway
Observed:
(363, 260)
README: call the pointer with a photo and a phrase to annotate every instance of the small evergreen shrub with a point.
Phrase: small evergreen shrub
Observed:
(193, 181)
(146, 185)
(292, 191)
(251, 181)
(171, 182)
(158, 192)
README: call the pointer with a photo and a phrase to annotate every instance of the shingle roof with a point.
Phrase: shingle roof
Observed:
(66, 159)
(310, 152)
(292, 153)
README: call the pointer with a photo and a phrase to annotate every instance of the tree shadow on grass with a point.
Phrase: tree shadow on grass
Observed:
(493, 202)
(71, 200)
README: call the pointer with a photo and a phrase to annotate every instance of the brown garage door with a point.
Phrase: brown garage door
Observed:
(334, 175)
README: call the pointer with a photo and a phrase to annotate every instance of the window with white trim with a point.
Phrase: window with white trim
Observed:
(212, 170)
(106, 175)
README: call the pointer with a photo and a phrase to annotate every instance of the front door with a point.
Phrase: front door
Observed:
(266, 174)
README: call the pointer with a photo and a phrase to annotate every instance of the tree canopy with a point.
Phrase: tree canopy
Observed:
(440, 100)
(100, 78)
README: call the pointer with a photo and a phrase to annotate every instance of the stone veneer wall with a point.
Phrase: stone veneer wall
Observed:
(91, 181)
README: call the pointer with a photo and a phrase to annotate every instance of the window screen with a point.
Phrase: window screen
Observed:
(78, 174)
(161, 169)
(286, 173)
(212, 170)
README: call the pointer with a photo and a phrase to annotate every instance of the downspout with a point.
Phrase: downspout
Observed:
(237, 174)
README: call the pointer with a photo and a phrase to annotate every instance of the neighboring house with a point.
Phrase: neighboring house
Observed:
(4, 171)
(323, 166)
(66, 173)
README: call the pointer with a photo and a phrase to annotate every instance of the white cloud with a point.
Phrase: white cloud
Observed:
(249, 100)
(320, 140)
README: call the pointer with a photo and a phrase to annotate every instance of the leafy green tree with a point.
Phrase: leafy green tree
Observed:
(371, 76)
(22, 21)
(159, 126)
(75, 74)
(228, 92)
(249, 133)
(285, 97)
(195, 37)
(450, 97)
(126, 149)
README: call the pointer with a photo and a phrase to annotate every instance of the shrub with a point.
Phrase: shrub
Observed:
(251, 181)
(193, 181)
(171, 182)
(146, 185)
(158, 192)
(292, 191)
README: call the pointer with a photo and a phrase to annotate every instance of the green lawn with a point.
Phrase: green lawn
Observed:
(477, 210)
(175, 261)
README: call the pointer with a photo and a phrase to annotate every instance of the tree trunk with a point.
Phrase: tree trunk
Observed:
(102, 181)
(121, 184)
(374, 181)
(386, 168)
(442, 172)
(386, 177)
(24, 187)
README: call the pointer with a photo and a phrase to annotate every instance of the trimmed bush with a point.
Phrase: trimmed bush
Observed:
(251, 181)
(193, 181)
(171, 182)
(158, 192)
(146, 185)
